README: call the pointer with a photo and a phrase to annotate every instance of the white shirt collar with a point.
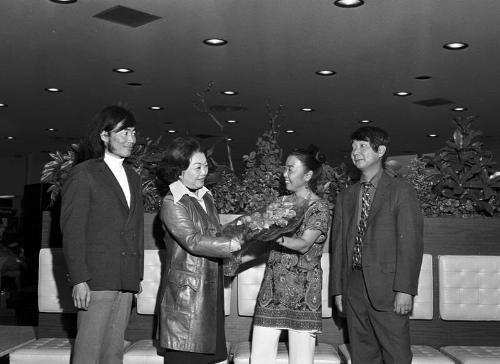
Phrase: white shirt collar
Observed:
(178, 190)
(112, 160)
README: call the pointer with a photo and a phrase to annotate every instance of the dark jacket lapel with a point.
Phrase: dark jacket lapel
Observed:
(383, 189)
(134, 186)
(351, 212)
(111, 180)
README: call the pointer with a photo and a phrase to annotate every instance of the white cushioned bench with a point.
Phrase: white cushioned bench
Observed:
(54, 295)
(422, 310)
(249, 282)
(323, 354)
(469, 290)
(43, 351)
(146, 351)
(422, 354)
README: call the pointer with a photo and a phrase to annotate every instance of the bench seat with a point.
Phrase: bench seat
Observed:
(422, 354)
(324, 354)
(473, 354)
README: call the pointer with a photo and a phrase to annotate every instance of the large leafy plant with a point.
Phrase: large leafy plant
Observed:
(56, 171)
(144, 159)
(462, 172)
(260, 182)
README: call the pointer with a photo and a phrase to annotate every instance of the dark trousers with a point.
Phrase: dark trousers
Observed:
(376, 337)
(101, 329)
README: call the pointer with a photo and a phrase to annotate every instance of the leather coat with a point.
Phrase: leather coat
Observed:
(190, 284)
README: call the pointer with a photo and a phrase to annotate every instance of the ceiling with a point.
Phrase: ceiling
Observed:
(274, 49)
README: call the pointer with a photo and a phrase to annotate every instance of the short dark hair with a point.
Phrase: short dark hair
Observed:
(106, 120)
(176, 159)
(313, 160)
(375, 136)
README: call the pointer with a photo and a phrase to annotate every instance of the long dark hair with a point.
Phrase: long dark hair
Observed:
(313, 160)
(106, 120)
(175, 160)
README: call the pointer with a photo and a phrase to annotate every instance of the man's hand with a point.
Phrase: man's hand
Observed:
(403, 303)
(338, 303)
(81, 295)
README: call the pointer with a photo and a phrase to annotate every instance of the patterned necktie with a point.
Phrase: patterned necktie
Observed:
(365, 209)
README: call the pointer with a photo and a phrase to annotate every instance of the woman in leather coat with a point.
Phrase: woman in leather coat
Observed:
(192, 299)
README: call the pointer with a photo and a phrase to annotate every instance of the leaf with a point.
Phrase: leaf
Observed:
(451, 145)
(458, 137)
(486, 207)
(448, 193)
(50, 164)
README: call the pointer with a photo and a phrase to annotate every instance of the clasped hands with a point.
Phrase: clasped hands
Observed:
(235, 243)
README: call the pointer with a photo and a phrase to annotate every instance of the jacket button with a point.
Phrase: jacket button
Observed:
(123, 253)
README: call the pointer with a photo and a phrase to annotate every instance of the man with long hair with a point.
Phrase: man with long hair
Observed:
(102, 226)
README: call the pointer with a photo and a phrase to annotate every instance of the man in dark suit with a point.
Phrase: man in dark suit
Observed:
(102, 225)
(376, 255)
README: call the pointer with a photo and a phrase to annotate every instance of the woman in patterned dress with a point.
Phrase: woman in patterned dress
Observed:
(290, 294)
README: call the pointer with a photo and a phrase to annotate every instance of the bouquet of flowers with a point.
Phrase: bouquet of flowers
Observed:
(268, 223)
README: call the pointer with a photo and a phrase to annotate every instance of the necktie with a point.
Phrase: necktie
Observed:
(365, 209)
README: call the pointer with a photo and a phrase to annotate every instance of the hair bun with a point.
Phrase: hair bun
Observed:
(317, 155)
(320, 157)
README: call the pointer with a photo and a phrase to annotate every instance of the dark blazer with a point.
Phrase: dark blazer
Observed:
(102, 237)
(188, 306)
(393, 242)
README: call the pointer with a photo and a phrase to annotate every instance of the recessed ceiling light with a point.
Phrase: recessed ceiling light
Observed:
(10, 137)
(171, 131)
(402, 93)
(423, 77)
(156, 108)
(289, 131)
(325, 73)
(63, 1)
(229, 139)
(366, 121)
(215, 42)
(432, 135)
(3, 105)
(123, 70)
(135, 84)
(459, 108)
(307, 109)
(349, 3)
(51, 129)
(454, 46)
(231, 121)
(229, 93)
(53, 89)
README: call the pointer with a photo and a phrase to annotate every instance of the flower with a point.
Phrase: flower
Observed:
(268, 223)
